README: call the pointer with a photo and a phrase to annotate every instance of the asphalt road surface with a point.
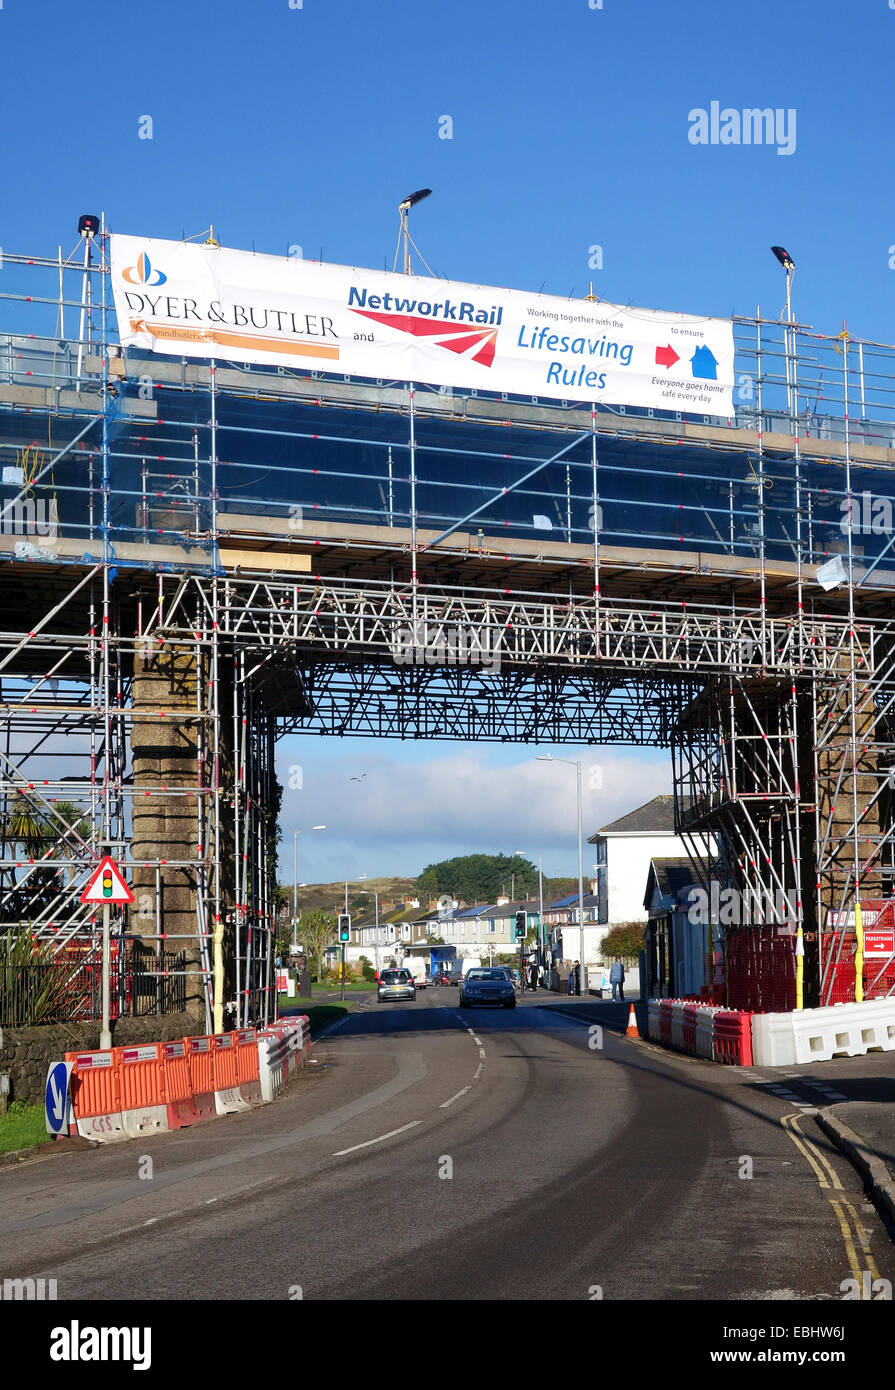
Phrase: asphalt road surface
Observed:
(430, 1152)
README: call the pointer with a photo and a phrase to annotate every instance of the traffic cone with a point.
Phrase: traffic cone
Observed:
(632, 1031)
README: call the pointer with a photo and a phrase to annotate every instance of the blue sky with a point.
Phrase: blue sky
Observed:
(569, 130)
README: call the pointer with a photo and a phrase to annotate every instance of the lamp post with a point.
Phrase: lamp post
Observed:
(576, 763)
(521, 853)
(294, 946)
(403, 209)
(295, 885)
(789, 267)
(295, 835)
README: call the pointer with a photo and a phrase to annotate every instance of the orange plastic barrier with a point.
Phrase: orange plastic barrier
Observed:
(178, 1087)
(199, 1056)
(247, 1073)
(95, 1099)
(141, 1088)
(227, 1098)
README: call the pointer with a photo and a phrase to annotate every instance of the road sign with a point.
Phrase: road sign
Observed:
(879, 942)
(56, 1097)
(106, 885)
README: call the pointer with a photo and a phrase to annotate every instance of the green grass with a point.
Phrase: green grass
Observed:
(22, 1126)
(320, 1016)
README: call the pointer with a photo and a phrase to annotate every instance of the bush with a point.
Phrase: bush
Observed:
(624, 940)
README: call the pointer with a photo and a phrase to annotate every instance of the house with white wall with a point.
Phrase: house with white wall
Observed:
(624, 851)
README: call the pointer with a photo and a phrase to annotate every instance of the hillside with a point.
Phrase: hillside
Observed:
(330, 897)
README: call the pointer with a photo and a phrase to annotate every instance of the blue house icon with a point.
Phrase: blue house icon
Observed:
(704, 364)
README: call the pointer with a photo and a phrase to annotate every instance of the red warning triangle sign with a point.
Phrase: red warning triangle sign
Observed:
(106, 885)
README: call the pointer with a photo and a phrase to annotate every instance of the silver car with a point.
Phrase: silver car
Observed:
(396, 984)
(488, 985)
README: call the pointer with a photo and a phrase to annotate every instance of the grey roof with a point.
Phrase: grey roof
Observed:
(656, 817)
(670, 876)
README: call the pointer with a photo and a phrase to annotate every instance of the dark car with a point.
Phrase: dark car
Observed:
(487, 985)
(395, 984)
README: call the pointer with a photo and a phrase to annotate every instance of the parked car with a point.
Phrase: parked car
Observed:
(489, 985)
(395, 984)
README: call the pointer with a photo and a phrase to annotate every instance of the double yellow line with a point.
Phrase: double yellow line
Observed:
(854, 1234)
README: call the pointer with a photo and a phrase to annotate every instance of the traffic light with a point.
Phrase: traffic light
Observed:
(107, 882)
(520, 925)
(344, 927)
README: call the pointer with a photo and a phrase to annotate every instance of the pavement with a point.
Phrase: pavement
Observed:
(865, 1132)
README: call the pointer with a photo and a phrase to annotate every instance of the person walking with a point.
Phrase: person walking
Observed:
(617, 980)
(533, 976)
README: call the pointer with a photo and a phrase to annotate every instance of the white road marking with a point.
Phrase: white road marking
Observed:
(481, 1052)
(476, 1040)
(368, 1142)
(478, 1072)
(446, 1103)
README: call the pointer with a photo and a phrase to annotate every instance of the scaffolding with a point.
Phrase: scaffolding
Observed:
(196, 558)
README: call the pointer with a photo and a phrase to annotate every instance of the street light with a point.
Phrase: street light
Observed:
(294, 947)
(520, 852)
(295, 835)
(404, 208)
(789, 267)
(549, 758)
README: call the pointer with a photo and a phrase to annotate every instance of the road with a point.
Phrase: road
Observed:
(484, 1154)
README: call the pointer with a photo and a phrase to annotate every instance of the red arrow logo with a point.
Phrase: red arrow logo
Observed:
(457, 337)
(666, 356)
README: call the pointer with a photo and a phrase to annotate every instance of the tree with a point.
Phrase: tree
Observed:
(479, 877)
(317, 930)
(624, 940)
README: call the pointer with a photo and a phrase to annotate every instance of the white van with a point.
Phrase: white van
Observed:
(417, 967)
(460, 966)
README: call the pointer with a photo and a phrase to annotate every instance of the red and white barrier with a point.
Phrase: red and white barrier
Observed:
(141, 1089)
(150, 1088)
(227, 1097)
(95, 1103)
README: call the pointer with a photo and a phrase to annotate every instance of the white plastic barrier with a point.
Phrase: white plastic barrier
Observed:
(652, 1012)
(677, 1023)
(773, 1039)
(283, 1049)
(271, 1070)
(844, 1030)
(705, 1037)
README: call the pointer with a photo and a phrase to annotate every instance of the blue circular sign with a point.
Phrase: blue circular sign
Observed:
(56, 1097)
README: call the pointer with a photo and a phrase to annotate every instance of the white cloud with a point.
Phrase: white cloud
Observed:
(459, 799)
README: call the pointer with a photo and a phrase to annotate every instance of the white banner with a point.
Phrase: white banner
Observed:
(205, 301)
